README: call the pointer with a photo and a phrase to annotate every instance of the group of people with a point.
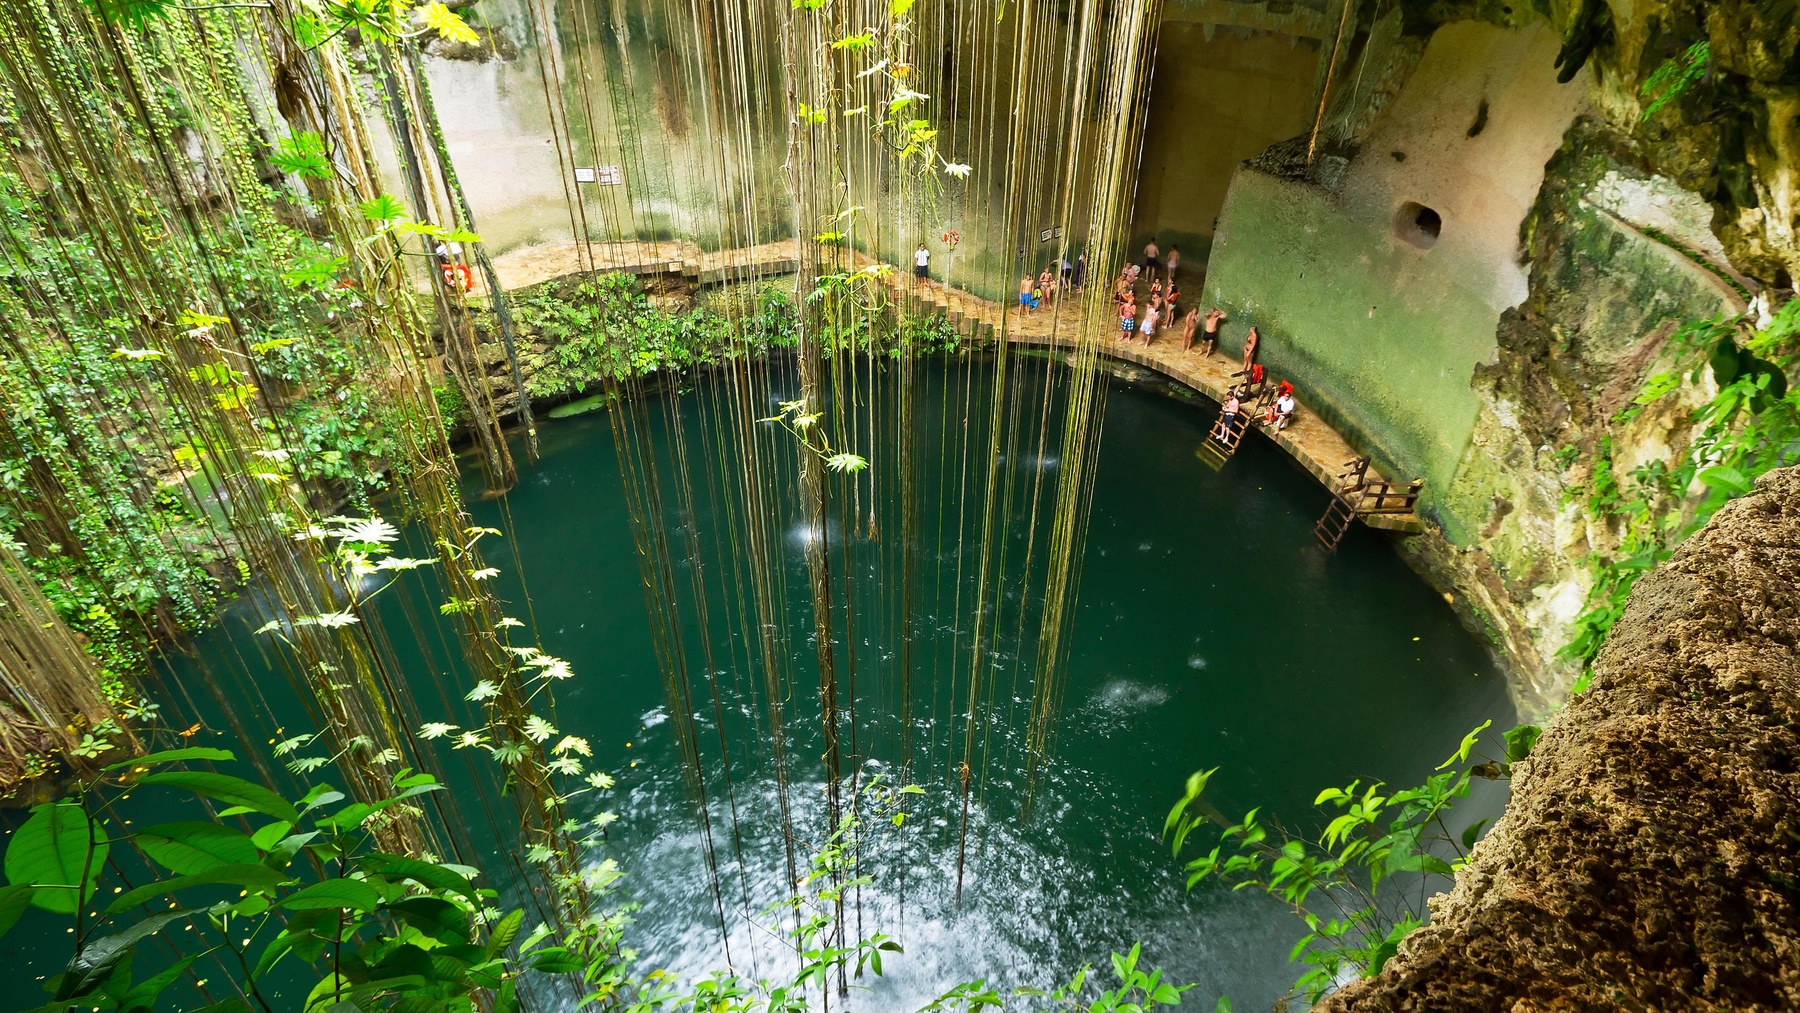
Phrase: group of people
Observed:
(1163, 305)
(1058, 277)
(1276, 416)
(1162, 308)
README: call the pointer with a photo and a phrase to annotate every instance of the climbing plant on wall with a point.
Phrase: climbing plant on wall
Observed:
(1748, 426)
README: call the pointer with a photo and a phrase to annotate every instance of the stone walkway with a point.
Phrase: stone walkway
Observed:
(1308, 439)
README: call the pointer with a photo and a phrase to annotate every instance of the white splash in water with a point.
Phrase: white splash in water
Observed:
(655, 717)
(1197, 663)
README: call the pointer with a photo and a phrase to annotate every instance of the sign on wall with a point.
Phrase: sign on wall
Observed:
(604, 175)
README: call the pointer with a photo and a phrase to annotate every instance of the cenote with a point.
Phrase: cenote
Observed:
(1210, 631)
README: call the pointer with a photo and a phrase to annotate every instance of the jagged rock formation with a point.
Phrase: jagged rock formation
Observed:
(1650, 857)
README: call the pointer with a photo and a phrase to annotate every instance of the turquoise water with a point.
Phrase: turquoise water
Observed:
(1210, 631)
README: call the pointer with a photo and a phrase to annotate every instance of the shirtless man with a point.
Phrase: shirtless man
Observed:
(1027, 301)
(1127, 319)
(1250, 344)
(1152, 257)
(1210, 339)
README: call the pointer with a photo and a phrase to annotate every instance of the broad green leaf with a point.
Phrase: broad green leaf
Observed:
(556, 960)
(1726, 479)
(51, 849)
(1520, 741)
(436, 917)
(384, 208)
(504, 932)
(302, 154)
(189, 848)
(437, 877)
(245, 874)
(226, 788)
(333, 893)
(172, 755)
(145, 992)
(1473, 834)
(94, 964)
(13, 902)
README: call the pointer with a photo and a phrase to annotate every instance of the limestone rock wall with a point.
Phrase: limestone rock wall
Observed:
(1494, 362)
(1650, 856)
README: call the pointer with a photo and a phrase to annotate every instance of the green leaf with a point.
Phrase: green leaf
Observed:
(145, 992)
(13, 902)
(1473, 834)
(225, 788)
(437, 877)
(333, 893)
(136, 13)
(94, 964)
(1726, 479)
(505, 931)
(1520, 741)
(315, 273)
(51, 849)
(1468, 744)
(302, 154)
(189, 848)
(435, 917)
(172, 755)
(245, 874)
(556, 960)
(384, 208)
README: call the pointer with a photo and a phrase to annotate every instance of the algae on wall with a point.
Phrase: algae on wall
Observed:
(1382, 327)
(1605, 298)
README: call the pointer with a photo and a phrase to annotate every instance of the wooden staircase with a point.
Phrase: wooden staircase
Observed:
(1355, 495)
(1221, 445)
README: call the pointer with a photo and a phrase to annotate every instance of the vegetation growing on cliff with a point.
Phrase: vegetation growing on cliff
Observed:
(1360, 885)
(1750, 426)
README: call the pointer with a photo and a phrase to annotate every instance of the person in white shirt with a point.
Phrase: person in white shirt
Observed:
(921, 262)
(1284, 411)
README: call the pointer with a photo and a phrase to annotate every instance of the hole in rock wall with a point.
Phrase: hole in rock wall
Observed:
(1419, 225)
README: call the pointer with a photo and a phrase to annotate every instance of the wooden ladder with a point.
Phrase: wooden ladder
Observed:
(1332, 527)
(1221, 444)
(1355, 494)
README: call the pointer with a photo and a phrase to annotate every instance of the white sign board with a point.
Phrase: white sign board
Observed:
(604, 175)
